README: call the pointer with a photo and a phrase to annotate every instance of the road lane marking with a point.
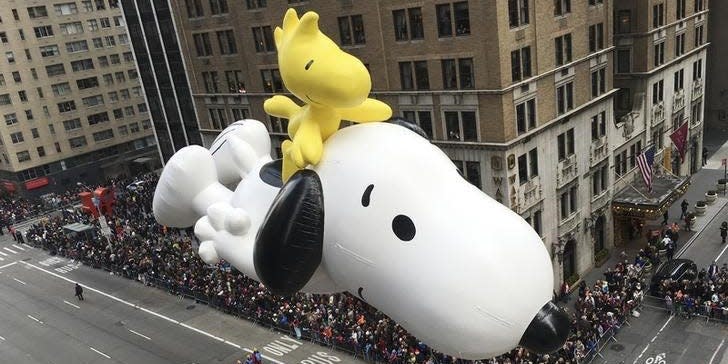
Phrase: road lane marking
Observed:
(7, 265)
(34, 319)
(11, 250)
(18, 247)
(70, 304)
(695, 236)
(3, 254)
(19, 281)
(100, 353)
(146, 310)
(716, 351)
(721, 253)
(136, 333)
(653, 339)
(2, 338)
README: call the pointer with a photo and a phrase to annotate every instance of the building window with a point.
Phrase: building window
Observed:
(680, 9)
(66, 106)
(461, 126)
(11, 119)
(82, 65)
(92, 101)
(17, 137)
(263, 38)
(414, 75)
(226, 41)
(351, 30)
(659, 54)
(624, 21)
(565, 143)
(562, 7)
(23, 96)
(256, 4)
(518, 14)
(16, 77)
(408, 24)
(99, 118)
(194, 8)
(55, 70)
(37, 12)
(202, 44)
(563, 49)
(3, 37)
(218, 118)
(696, 111)
(600, 180)
(29, 115)
(699, 5)
(23, 156)
(698, 70)
(72, 124)
(521, 64)
(422, 118)
(470, 171)
(240, 114)
(678, 80)
(598, 126)
(679, 44)
(77, 46)
(634, 151)
(271, 80)
(10, 57)
(462, 71)
(596, 37)
(61, 89)
(41, 151)
(34, 133)
(565, 97)
(598, 82)
(103, 135)
(211, 81)
(699, 35)
(98, 43)
(65, 9)
(568, 201)
(526, 116)
(446, 21)
(528, 166)
(49, 51)
(658, 134)
(657, 92)
(77, 142)
(624, 62)
(5, 99)
(218, 7)
(71, 28)
(234, 81)
(89, 82)
(595, 2)
(658, 15)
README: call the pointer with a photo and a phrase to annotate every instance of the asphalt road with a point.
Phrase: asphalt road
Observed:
(121, 321)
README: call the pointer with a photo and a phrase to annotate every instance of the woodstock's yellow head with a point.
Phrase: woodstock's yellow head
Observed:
(314, 68)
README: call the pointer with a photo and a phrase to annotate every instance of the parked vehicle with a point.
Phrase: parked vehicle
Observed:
(676, 269)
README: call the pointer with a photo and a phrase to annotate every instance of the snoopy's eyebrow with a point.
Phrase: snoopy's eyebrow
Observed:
(367, 194)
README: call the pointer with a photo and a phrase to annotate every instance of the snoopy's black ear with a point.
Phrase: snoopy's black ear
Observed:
(409, 125)
(289, 245)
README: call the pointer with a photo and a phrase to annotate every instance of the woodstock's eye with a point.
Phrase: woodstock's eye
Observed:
(403, 227)
(308, 65)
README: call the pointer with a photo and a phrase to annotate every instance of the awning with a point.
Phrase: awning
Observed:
(36, 183)
(635, 201)
(142, 160)
(77, 227)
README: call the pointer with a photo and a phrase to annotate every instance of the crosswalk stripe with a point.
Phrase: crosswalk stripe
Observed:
(1, 259)
(19, 247)
(3, 254)
(11, 250)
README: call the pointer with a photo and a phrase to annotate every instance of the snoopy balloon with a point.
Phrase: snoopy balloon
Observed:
(384, 215)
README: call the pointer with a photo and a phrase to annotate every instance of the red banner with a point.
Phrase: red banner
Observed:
(680, 139)
(37, 183)
(8, 186)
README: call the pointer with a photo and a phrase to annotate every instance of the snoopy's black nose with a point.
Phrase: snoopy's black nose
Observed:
(548, 330)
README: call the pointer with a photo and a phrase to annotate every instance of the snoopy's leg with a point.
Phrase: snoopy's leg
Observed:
(226, 233)
(187, 187)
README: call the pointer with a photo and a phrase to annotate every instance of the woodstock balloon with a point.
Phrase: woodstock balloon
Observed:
(373, 209)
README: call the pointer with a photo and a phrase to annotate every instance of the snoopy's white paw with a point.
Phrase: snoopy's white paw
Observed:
(220, 231)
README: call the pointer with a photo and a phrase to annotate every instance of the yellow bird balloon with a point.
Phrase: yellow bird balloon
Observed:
(332, 84)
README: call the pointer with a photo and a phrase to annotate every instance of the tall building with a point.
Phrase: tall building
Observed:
(70, 96)
(661, 49)
(518, 93)
(716, 110)
(157, 50)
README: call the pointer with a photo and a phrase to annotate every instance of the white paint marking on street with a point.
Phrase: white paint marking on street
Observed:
(100, 353)
(3, 254)
(138, 334)
(71, 304)
(18, 247)
(653, 339)
(7, 265)
(11, 250)
(19, 281)
(34, 319)
(149, 311)
(716, 351)
(721, 253)
(2, 338)
(2, 259)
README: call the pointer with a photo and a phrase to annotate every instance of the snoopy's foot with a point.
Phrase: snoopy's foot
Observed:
(220, 231)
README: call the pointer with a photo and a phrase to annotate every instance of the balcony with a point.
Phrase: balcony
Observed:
(570, 224)
(658, 113)
(598, 150)
(678, 100)
(566, 170)
(601, 200)
(529, 194)
(697, 89)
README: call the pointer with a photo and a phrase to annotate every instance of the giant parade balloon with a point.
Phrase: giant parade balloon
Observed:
(373, 209)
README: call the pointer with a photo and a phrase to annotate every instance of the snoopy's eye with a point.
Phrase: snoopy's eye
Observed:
(308, 65)
(403, 227)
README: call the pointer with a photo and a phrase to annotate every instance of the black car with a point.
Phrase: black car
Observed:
(676, 269)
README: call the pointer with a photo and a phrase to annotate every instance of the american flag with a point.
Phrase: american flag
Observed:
(645, 161)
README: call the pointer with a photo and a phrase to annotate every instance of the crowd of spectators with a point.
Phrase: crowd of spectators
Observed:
(706, 294)
(13, 208)
(140, 249)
